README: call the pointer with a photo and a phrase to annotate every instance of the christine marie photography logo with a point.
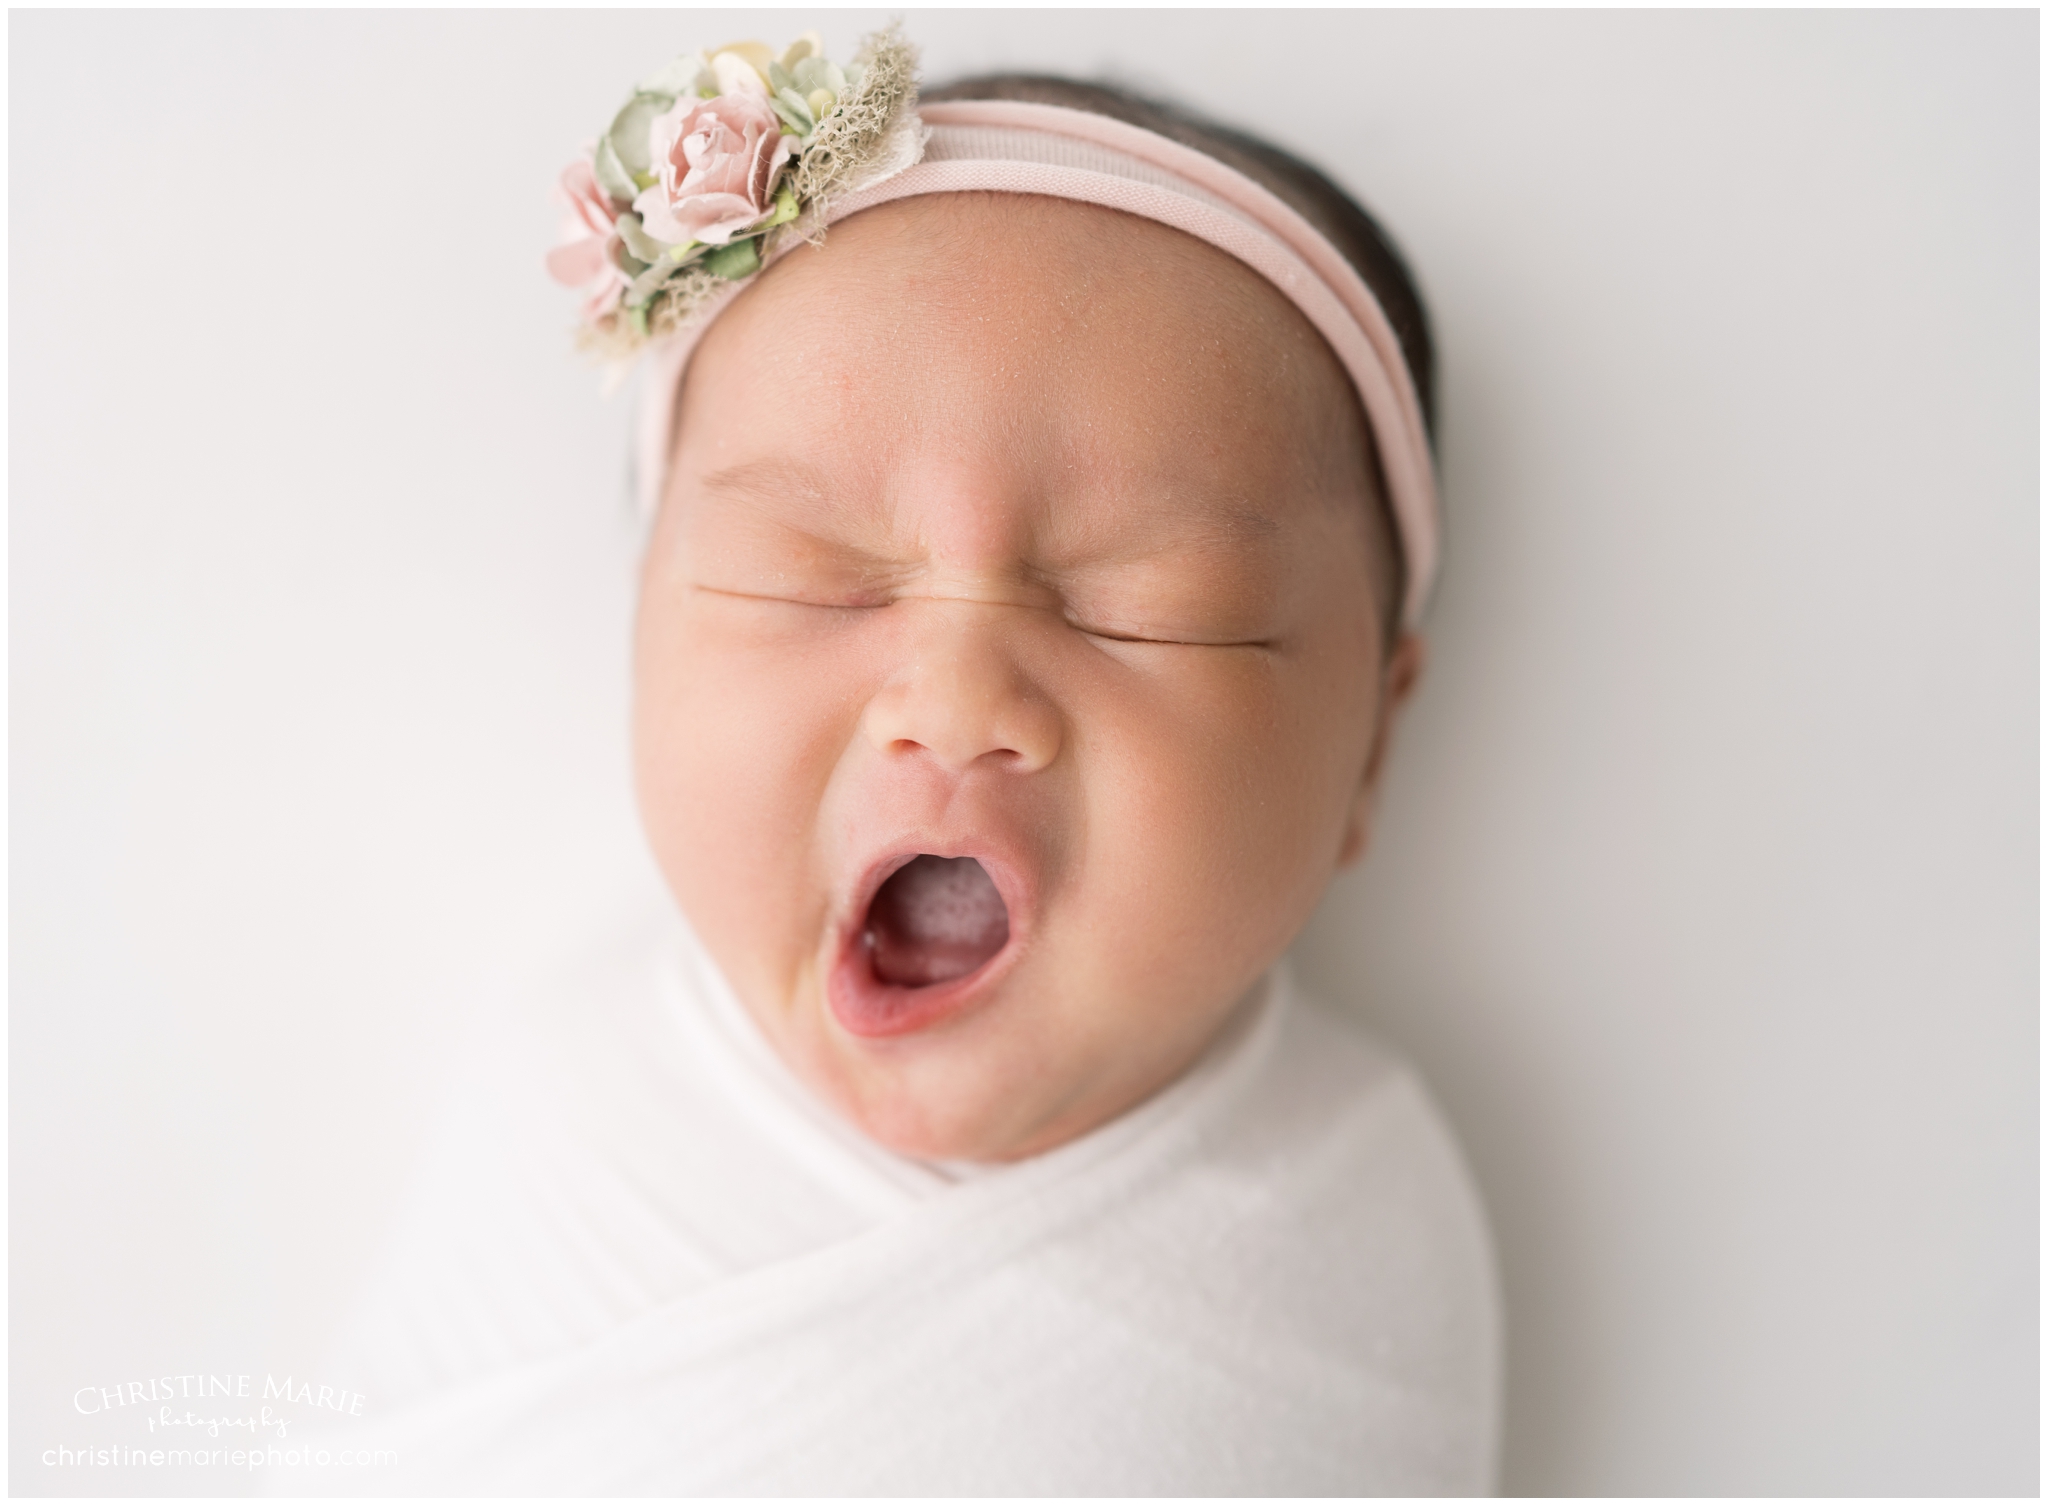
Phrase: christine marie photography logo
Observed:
(208, 1421)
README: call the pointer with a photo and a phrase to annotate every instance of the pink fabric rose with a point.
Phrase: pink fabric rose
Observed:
(589, 237)
(716, 161)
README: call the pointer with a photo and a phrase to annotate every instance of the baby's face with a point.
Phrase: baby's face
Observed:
(1009, 681)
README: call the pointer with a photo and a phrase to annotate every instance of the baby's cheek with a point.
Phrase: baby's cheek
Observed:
(742, 709)
(1203, 810)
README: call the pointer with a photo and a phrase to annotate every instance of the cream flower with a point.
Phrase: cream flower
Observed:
(737, 70)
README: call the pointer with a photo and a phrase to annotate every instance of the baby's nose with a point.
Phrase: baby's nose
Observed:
(961, 698)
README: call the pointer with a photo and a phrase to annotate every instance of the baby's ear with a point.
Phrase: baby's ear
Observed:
(1398, 679)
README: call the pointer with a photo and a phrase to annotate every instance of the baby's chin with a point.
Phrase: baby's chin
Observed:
(991, 1088)
(936, 1033)
(1014, 1063)
(954, 1102)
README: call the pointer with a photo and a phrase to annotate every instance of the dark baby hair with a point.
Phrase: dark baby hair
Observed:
(1340, 218)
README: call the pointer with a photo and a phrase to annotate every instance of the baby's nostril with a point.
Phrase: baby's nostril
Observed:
(935, 920)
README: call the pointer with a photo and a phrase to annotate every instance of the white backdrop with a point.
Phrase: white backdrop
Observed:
(1706, 891)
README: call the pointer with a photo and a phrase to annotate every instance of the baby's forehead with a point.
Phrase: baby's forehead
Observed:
(1060, 255)
(1080, 331)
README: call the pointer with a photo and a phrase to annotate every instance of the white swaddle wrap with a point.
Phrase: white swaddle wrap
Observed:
(640, 1259)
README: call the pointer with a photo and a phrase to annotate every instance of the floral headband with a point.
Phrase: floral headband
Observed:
(721, 164)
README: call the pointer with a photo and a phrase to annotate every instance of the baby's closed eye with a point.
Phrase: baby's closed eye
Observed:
(1184, 602)
(1139, 613)
(1170, 634)
(1196, 596)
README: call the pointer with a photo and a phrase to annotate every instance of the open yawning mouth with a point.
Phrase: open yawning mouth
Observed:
(931, 930)
(935, 920)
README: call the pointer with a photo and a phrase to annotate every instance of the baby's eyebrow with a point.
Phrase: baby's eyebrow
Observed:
(789, 484)
(797, 505)
(1201, 526)
(799, 499)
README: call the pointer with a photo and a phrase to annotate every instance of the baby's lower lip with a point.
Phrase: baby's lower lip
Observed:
(866, 1006)
(868, 1001)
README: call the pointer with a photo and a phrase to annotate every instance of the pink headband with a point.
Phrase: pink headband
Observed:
(1004, 146)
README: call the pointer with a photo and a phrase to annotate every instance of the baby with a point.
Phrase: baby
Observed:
(1028, 601)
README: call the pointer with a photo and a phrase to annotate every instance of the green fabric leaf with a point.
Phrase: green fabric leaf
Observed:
(794, 112)
(648, 283)
(817, 73)
(639, 242)
(779, 77)
(785, 209)
(627, 262)
(612, 176)
(740, 259)
(628, 133)
(678, 76)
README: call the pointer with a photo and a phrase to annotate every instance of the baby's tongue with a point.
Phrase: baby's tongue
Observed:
(935, 920)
